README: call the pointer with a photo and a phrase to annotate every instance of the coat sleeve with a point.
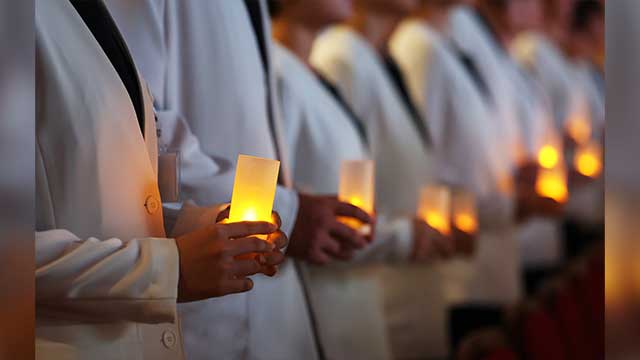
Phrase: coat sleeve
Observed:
(393, 242)
(106, 279)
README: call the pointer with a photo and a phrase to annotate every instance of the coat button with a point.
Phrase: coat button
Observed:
(169, 339)
(152, 205)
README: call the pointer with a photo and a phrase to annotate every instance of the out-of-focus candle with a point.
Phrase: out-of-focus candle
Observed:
(588, 159)
(552, 183)
(254, 189)
(579, 129)
(465, 217)
(548, 156)
(435, 207)
(357, 187)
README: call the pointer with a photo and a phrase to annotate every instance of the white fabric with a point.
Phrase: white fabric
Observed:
(106, 276)
(469, 143)
(403, 164)
(205, 69)
(572, 96)
(321, 136)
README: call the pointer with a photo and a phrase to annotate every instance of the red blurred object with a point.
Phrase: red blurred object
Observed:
(573, 325)
(541, 337)
(501, 354)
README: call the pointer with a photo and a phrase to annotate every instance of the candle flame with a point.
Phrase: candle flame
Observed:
(552, 185)
(437, 221)
(466, 223)
(548, 157)
(588, 161)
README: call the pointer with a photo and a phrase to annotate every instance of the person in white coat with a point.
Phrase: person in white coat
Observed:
(548, 53)
(215, 96)
(107, 276)
(355, 56)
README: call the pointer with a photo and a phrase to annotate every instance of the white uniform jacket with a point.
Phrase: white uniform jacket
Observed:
(204, 66)
(404, 162)
(469, 142)
(321, 135)
(106, 276)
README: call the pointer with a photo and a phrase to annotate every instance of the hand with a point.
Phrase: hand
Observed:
(318, 237)
(208, 264)
(465, 243)
(269, 261)
(429, 244)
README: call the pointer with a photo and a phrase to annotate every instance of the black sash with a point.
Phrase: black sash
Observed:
(99, 21)
(398, 80)
(255, 14)
(355, 120)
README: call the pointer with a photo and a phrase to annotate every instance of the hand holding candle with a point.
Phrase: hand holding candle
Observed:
(552, 184)
(357, 187)
(465, 221)
(435, 207)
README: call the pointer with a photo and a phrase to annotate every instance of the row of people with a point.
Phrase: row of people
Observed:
(431, 96)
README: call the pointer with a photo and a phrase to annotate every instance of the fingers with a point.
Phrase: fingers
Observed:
(270, 259)
(243, 268)
(347, 235)
(247, 228)
(246, 245)
(234, 286)
(346, 209)
(278, 239)
(269, 270)
(275, 218)
(224, 214)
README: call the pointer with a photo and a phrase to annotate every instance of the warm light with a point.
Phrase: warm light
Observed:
(465, 215)
(435, 207)
(579, 129)
(254, 189)
(588, 160)
(552, 183)
(357, 187)
(548, 157)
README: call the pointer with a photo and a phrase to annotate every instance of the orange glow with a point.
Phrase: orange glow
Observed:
(465, 215)
(548, 157)
(357, 187)
(588, 160)
(466, 223)
(552, 183)
(254, 189)
(579, 129)
(435, 207)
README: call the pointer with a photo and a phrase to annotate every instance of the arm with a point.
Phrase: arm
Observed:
(106, 280)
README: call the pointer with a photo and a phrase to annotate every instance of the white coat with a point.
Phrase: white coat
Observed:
(203, 61)
(520, 113)
(404, 163)
(468, 144)
(106, 275)
(320, 135)
(571, 96)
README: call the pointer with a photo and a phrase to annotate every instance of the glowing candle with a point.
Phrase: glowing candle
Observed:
(552, 183)
(357, 187)
(254, 189)
(435, 207)
(588, 159)
(465, 215)
(548, 156)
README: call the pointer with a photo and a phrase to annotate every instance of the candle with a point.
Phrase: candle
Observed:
(254, 189)
(588, 159)
(465, 216)
(357, 187)
(435, 207)
(548, 156)
(552, 183)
